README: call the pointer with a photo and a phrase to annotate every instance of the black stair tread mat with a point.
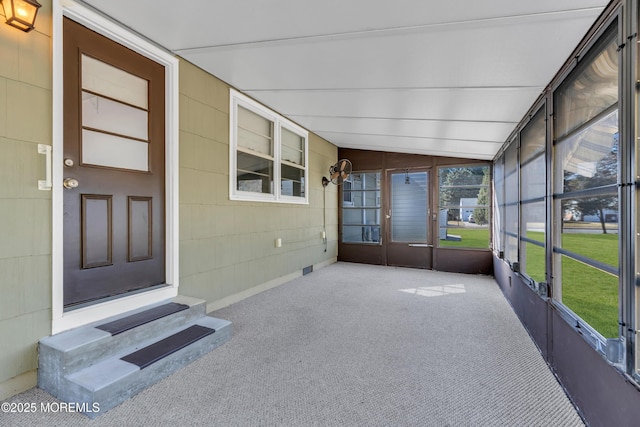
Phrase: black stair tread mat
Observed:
(163, 348)
(126, 323)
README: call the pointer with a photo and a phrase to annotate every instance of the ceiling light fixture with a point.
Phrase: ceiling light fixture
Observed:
(21, 13)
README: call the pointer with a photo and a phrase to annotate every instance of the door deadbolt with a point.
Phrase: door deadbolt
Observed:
(70, 183)
(68, 162)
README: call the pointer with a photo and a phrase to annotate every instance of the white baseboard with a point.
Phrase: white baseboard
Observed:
(232, 299)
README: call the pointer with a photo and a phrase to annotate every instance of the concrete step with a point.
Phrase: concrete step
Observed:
(114, 380)
(83, 364)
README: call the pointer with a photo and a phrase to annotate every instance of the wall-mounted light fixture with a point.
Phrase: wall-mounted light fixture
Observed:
(21, 13)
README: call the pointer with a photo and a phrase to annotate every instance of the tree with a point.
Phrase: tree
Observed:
(481, 214)
(605, 174)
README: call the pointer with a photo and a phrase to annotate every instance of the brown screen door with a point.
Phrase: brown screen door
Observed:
(407, 219)
(114, 195)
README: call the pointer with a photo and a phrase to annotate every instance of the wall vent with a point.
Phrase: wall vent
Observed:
(307, 270)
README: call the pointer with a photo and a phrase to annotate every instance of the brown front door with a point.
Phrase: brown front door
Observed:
(114, 196)
(409, 241)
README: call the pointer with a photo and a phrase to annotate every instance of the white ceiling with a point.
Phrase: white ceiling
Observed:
(448, 78)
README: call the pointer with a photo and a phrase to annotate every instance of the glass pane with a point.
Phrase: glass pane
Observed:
(533, 137)
(114, 117)
(460, 186)
(589, 158)
(463, 237)
(114, 83)
(113, 151)
(590, 90)
(511, 232)
(591, 294)
(534, 261)
(463, 213)
(292, 147)
(255, 132)
(255, 174)
(292, 181)
(365, 181)
(361, 208)
(409, 207)
(359, 234)
(532, 256)
(533, 179)
(533, 221)
(357, 216)
(590, 228)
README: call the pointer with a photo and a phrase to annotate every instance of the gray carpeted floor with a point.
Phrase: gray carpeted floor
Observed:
(354, 345)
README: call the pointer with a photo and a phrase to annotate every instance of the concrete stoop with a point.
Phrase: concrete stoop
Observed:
(98, 366)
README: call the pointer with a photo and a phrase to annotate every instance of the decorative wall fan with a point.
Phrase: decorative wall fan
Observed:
(338, 173)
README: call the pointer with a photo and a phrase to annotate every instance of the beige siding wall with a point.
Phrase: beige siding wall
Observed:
(25, 212)
(227, 247)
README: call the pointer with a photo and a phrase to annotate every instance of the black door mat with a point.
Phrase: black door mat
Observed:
(163, 348)
(121, 325)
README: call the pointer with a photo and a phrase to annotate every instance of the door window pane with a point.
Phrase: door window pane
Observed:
(104, 79)
(114, 117)
(409, 207)
(102, 149)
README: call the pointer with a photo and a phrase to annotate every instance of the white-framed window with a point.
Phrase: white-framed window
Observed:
(268, 154)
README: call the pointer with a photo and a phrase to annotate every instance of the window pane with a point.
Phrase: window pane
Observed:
(359, 234)
(254, 174)
(533, 175)
(533, 221)
(409, 207)
(361, 208)
(292, 181)
(364, 216)
(511, 186)
(511, 233)
(534, 261)
(255, 132)
(114, 83)
(498, 197)
(532, 256)
(292, 147)
(589, 158)
(591, 294)
(102, 149)
(590, 90)
(590, 228)
(533, 137)
(114, 117)
(463, 211)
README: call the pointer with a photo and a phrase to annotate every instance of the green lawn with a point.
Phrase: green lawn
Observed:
(590, 293)
(471, 238)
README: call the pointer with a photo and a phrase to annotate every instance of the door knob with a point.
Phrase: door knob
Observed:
(70, 183)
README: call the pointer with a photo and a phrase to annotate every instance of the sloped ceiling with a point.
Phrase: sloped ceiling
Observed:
(449, 78)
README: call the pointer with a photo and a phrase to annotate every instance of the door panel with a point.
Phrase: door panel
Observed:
(409, 240)
(114, 220)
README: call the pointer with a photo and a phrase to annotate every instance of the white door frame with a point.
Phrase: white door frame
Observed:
(62, 320)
